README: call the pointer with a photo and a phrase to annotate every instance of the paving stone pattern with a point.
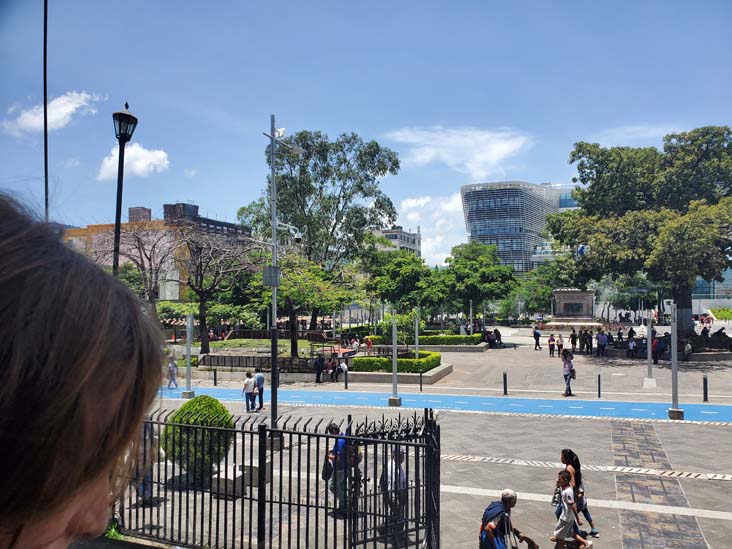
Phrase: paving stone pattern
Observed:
(638, 445)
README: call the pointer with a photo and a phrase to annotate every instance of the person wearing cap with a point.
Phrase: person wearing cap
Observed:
(393, 484)
(337, 484)
(497, 531)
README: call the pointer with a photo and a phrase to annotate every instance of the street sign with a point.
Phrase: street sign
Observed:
(271, 276)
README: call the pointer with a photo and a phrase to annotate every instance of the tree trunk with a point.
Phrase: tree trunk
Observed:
(293, 333)
(682, 298)
(202, 328)
(314, 319)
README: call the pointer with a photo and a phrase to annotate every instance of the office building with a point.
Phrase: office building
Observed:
(512, 216)
(401, 239)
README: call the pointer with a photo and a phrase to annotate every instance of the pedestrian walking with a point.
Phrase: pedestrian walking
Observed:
(632, 345)
(560, 345)
(393, 486)
(248, 391)
(573, 340)
(319, 367)
(259, 384)
(337, 483)
(343, 368)
(601, 343)
(172, 372)
(332, 366)
(552, 344)
(654, 350)
(589, 342)
(369, 344)
(496, 528)
(537, 339)
(620, 333)
(564, 531)
(568, 371)
(572, 464)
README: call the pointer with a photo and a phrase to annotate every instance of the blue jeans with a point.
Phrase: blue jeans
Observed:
(260, 396)
(568, 383)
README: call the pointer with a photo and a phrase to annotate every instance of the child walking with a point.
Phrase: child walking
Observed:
(564, 531)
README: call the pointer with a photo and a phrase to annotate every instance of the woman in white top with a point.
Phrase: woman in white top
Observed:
(568, 371)
(248, 392)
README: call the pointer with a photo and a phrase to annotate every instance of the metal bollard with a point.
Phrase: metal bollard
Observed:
(705, 385)
(346, 374)
(505, 383)
(599, 386)
(216, 377)
(420, 381)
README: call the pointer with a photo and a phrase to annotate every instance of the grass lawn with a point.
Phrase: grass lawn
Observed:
(283, 345)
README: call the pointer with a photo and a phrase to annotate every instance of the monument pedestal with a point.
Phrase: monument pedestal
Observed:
(649, 383)
(395, 401)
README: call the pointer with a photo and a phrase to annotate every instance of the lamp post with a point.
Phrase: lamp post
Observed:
(124, 126)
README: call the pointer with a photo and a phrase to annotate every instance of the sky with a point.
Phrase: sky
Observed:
(465, 92)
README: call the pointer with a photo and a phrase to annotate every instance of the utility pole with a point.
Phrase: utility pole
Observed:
(675, 412)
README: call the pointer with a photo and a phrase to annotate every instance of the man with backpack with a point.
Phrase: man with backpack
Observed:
(496, 528)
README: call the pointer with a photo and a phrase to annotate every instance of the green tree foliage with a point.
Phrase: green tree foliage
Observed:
(199, 451)
(402, 279)
(475, 273)
(330, 192)
(639, 211)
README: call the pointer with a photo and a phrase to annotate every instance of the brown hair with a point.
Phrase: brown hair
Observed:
(80, 362)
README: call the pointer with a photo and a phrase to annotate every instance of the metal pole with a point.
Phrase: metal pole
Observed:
(599, 386)
(705, 388)
(118, 209)
(188, 393)
(394, 399)
(45, 101)
(416, 333)
(471, 317)
(649, 382)
(675, 412)
(505, 383)
(273, 202)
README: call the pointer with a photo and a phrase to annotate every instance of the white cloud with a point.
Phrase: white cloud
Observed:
(441, 222)
(60, 112)
(474, 151)
(138, 161)
(191, 173)
(73, 162)
(633, 134)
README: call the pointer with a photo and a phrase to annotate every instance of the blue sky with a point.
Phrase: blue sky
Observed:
(465, 91)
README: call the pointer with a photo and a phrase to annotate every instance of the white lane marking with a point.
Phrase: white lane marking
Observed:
(434, 401)
(605, 503)
(315, 398)
(576, 407)
(639, 409)
(709, 412)
(546, 406)
(410, 400)
(340, 398)
(607, 408)
(517, 405)
(488, 404)
(461, 402)
(362, 398)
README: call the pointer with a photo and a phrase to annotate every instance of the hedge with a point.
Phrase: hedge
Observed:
(199, 451)
(427, 360)
(438, 340)
(722, 314)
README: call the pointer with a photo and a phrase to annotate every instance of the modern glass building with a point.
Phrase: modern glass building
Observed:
(512, 216)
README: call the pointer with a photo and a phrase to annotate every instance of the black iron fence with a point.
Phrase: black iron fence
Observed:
(236, 362)
(248, 485)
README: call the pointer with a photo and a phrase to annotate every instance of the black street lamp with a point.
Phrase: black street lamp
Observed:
(124, 126)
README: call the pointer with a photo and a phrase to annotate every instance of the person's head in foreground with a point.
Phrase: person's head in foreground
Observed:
(508, 499)
(80, 362)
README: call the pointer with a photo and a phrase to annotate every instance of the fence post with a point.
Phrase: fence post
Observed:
(261, 487)
(216, 380)
(599, 385)
(505, 383)
(705, 387)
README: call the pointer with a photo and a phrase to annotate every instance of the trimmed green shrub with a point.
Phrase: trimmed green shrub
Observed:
(722, 314)
(437, 340)
(426, 361)
(199, 451)
(182, 362)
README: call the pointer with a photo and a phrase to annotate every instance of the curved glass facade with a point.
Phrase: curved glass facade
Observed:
(510, 215)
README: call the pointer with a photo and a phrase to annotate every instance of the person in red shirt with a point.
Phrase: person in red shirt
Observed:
(654, 350)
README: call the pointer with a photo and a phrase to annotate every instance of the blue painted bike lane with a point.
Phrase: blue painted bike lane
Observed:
(570, 406)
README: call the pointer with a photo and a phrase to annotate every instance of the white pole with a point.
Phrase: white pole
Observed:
(649, 382)
(675, 412)
(394, 399)
(189, 335)
(471, 317)
(416, 333)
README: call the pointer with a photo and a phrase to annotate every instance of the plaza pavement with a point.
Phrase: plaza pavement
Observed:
(650, 484)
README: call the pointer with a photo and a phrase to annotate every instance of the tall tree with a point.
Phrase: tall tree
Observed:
(207, 264)
(475, 274)
(330, 192)
(148, 246)
(403, 279)
(634, 209)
